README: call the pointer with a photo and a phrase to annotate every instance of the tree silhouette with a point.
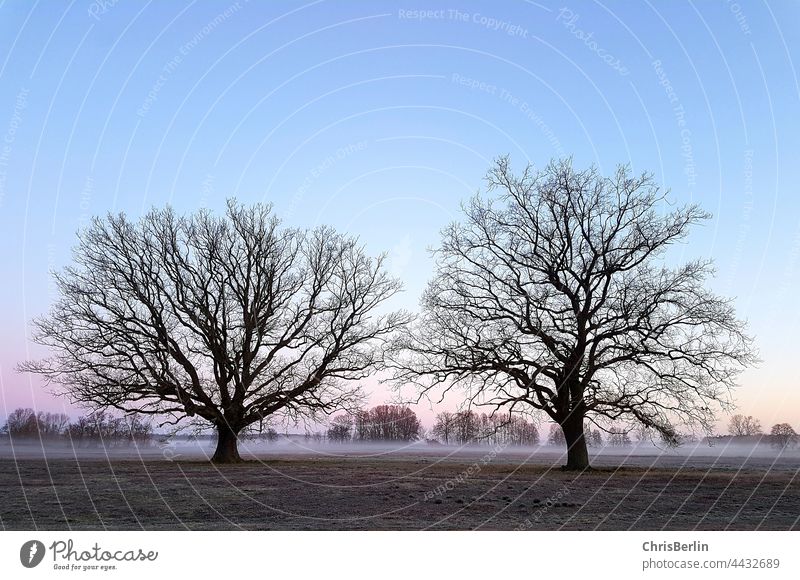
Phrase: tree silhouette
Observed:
(594, 438)
(467, 427)
(556, 436)
(618, 437)
(231, 319)
(341, 429)
(387, 423)
(444, 427)
(783, 435)
(555, 296)
(97, 427)
(744, 426)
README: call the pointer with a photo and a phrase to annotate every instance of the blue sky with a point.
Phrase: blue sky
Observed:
(380, 117)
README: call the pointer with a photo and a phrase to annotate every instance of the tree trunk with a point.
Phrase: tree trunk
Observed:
(227, 449)
(577, 453)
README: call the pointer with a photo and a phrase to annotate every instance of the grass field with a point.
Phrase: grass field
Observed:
(398, 490)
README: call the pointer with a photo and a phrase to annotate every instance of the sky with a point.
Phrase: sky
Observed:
(380, 117)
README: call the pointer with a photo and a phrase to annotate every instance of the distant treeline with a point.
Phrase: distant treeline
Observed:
(747, 429)
(783, 439)
(468, 427)
(97, 427)
(399, 423)
(381, 423)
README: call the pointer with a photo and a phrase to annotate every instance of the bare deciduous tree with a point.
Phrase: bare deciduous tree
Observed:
(387, 423)
(29, 423)
(467, 427)
(556, 436)
(97, 427)
(593, 437)
(783, 436)
(102, 428)
(341, 428)
(22, 423)
(741, 426)
(555, 296)
(506, 429)
(444, 427)
(618, 437)
(231, 319)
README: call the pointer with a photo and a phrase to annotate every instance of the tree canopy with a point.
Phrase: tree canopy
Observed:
(555, 295)
(232, 319)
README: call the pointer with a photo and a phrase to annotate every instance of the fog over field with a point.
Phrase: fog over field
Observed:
(699, 455)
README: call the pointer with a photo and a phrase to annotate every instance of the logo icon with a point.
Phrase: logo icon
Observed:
(31, 553)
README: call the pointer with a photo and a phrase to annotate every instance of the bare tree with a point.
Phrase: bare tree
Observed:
(361, 425)
(22, 423)
(28, 423)
(387, 423)
(783, 436)
(741, 426)
(555, 296)
(467, 427)
(51, 425)
(618, 437)
(556, 436)
(521, 432)
(341, 428)
(97, 427)
(230, 319)
(507, 429)
(593, 437)
(444, 426)
(107, 429)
